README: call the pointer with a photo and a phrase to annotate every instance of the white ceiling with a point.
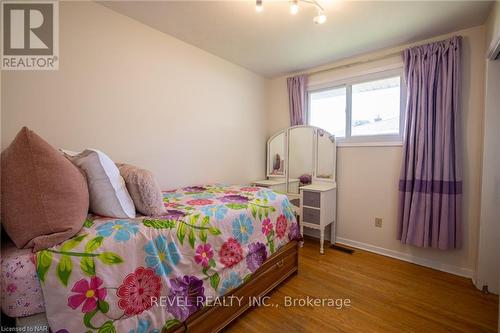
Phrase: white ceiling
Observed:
(275, 42)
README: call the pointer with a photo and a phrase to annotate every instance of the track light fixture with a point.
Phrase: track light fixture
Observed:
(258, 6)
(320, 18)
(294, 9)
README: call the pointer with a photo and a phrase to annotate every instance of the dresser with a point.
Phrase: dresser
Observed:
(301, 155)
(318, 206)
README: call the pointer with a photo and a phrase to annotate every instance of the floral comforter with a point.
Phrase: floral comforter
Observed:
(139, 275)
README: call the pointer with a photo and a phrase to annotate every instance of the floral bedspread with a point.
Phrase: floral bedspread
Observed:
(139, 275)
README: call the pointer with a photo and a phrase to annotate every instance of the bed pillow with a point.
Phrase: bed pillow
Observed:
(143, 189)
(107, 190)
(45, 197)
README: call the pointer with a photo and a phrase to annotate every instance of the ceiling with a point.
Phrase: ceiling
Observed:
(274, 42)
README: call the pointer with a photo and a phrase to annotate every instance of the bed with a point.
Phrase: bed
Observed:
(165, 273)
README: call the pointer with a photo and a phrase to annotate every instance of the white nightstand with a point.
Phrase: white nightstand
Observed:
(318, 206)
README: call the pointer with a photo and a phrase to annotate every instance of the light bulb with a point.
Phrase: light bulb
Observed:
(258, 6)
(294, 7)
(320, 19)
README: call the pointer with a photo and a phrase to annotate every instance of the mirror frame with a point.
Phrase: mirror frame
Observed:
(286, 131)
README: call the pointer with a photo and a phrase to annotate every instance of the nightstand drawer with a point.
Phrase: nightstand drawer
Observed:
(312, 199)
(311, 215)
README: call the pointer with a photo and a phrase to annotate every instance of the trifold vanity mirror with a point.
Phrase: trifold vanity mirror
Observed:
(301, 162)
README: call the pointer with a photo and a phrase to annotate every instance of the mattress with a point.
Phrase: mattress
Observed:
(148, 273)
(21, 293)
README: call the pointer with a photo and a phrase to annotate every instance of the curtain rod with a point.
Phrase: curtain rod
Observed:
(385, 56)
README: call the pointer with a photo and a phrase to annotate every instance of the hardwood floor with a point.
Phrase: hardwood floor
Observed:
(387, 295)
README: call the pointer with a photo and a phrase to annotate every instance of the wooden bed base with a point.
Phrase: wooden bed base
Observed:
(275, 270)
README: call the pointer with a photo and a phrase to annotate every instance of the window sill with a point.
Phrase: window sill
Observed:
(370, 144)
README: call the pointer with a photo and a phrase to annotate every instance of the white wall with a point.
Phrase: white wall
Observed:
(492, 113)
(489, 238)
(368, 176)
(143, 97)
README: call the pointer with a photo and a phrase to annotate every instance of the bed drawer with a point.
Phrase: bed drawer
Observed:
(276, 269)
(312, 199)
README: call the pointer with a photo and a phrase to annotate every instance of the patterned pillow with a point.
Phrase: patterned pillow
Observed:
(143, 189)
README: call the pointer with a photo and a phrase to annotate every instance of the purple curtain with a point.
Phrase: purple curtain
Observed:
(430, 186)
(297, 99)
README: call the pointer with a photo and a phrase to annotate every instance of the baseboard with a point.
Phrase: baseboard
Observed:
(465, 272)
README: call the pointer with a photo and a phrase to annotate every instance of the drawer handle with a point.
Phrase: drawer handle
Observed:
(280, 263)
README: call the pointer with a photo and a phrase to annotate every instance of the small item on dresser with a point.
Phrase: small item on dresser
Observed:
(305, 179)
(277, 163)
(45, 198)
(108, 193)
(143, 188)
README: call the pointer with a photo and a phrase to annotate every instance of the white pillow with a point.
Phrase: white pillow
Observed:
(107, 191)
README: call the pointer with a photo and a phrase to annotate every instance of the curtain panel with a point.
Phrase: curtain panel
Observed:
(430, 186)
(297, 96)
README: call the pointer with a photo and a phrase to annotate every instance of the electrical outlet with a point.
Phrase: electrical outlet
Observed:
(378, 222)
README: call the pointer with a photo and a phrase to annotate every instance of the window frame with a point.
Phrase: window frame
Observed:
(347, 83)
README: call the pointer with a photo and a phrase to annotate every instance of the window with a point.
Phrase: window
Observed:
(364, 110)
(329, 110)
